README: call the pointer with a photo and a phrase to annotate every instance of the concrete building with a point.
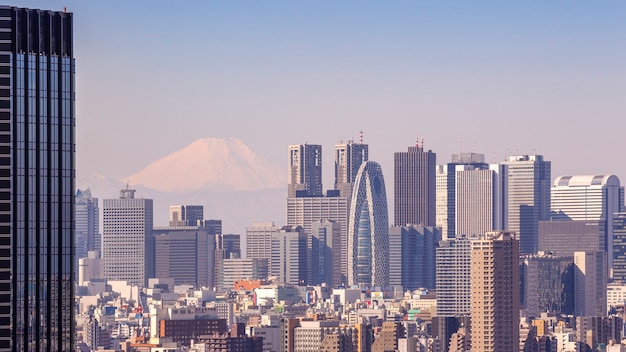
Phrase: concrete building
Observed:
(306, 211)
(563, 238)
(186, 215)
(368, 229)
(445, 194)
(453, 285)
(479, 199)
(526, 198)
(495, 292)
(619, 247)
(185, 254)
(259, 240)
(348, 158)
(412, 256)
(238, 269)
(590, 281)
(305, 171)
(89, 268)
(589, 198)
(284, 248)
(289, 256)
(127, 241)
(227, 246)
(595, 330)
(414, 187)
(325, 253)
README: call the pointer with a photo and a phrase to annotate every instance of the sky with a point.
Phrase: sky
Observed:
(493, 77)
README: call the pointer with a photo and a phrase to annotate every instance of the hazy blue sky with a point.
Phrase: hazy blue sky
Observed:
(545, 77)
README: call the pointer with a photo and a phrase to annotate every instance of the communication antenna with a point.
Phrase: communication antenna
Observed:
(417, 141)
(422, 142)
(361, 137)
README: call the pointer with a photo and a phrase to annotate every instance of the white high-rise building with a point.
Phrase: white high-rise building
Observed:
(591, 198)
(590, 280)
(446, 190)
(453, 266)
(478, 199)
(526, 198)
(285, 249)
(127, 243)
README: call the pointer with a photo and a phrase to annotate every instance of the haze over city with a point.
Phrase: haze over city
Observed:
(497, 78)
(360, 176)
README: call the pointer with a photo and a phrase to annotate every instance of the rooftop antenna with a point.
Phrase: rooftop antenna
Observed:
(460, 147)
(475, 147)
(422, 142)
(417, 141)
(361, 137)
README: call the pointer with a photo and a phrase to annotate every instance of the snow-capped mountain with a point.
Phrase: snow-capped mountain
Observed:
(210, 164)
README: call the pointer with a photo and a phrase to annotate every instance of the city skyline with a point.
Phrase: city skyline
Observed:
(497, 78)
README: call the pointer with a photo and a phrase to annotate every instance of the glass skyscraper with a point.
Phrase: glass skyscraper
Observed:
(37, 166)
(368, 229)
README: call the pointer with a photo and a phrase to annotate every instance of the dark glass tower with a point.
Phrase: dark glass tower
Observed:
(414, 187)
(36, 180)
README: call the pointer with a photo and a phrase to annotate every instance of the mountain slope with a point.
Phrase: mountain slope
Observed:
(210, 164)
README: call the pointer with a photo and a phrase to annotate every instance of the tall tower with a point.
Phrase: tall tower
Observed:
(495, 292)
(589, 198)
(453, 286)
(186, 215)
(414, 187)
(527, 198)
(87, 224)
(368, 229)
(305, 170)
(478, 199)
(127, 241)
(37, 166)
(590, 279)
(348, 159)
(445, 194)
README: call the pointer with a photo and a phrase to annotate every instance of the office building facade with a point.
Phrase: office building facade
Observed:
(305, 211)
(445, 190)
(348, 159)
(127, 241)
(412, 256)
(588, 198)
(619, 247)
(185, 255)
(563, 238)
(495, 292)
(88, 237)
(305, 170)
(368, 229)
(526, 198)
(325, 253)
(453, 285)
(414, 187)
(186, 215)
(590, 280)
(37, 167)
(547, 284)
(478, 199)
